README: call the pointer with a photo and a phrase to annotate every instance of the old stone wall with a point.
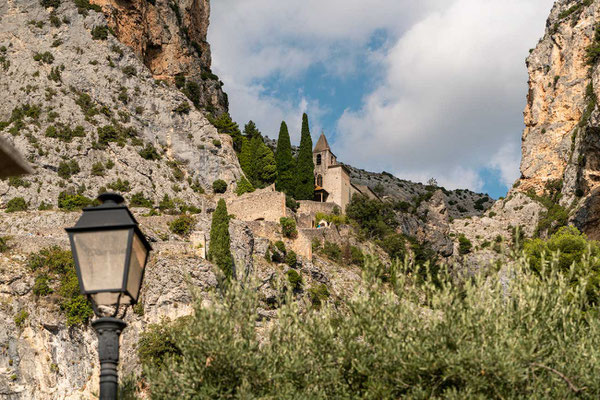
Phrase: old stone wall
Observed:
(260, 205)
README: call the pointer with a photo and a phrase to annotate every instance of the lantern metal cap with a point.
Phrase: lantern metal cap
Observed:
(112, 213)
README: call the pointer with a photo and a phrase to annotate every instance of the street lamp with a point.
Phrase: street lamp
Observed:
(110, 253)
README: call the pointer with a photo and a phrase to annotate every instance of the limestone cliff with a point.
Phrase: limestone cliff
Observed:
(169, 36)
(560, 141)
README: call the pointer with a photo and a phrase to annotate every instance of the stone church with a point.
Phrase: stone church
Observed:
(332, 180)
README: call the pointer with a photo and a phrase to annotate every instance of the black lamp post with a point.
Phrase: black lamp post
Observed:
(110, 253)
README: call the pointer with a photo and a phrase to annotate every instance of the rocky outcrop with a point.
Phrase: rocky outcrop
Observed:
(169, 36)
(88, 115)
(560, 140)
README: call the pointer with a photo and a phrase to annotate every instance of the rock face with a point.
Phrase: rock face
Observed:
(560, 141)
(88, 114)
(169, 36)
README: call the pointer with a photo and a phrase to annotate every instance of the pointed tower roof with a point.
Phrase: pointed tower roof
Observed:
(322, 144)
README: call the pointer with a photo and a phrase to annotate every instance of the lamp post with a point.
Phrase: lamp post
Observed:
(110, 253)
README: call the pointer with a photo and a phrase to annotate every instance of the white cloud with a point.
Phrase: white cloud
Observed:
(450, 99)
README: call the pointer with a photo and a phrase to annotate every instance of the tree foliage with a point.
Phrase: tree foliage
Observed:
(284, 161)
(305, 167)
(220, 242)
(256, 158)
(522, 337)
(225, 124)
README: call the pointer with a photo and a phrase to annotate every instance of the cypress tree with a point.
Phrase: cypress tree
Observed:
(245, 158)
(284, 161)
(220, 242)
(265, 170)
(305, 167)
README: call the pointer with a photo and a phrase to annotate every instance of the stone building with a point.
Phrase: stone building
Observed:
(332, 180)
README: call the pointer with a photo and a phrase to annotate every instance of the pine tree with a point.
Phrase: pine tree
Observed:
(250, 130)
(225, 124)
(220, 242)
(284, 161)
(305, 167)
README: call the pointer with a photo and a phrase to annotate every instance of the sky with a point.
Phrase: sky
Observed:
(418, 88)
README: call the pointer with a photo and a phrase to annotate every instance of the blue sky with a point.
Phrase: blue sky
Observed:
(434, 88)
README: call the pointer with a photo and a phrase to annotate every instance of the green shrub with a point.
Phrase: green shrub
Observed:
(183, 225)
(464, 245)
(129, 71)
(166, 204)
(45, 58)
(357, 256)
(98, 169)
(73, 202)
(288, 227)
(243, 186)
(44, 206)
(485, 338)
(53, 266)
(394, 245)
(375, 218)
(68, 169)
(100, 32)
(50, 3)
(291, 259)
(280, 246)
(149, 153)
(318, 295)
(291, 203)
(17, 181)
(83, 6)
(64, 132)
(138, 200)
(183, 108)
(216, 143)
(158, 342)
(120, 186)
(4, 246)
(294, 279)
(16, 204)
(41, 285)
(20, 318)
(219, 186)
(332, 250)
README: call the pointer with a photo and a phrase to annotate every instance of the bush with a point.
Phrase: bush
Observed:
(138, 200)
(464, 245)
(20, 318)
(243, 186)
(288, 227)
(219, 186)
(183, 225)
(291, 203)
(16, 204)
(375, 218)
(318, 295)
(183, 108)
(68, 169)
(158, 342)
(394, 245)
(524, 337)
(294, 279)
(332, 250)
(129, 71)
(149, 153)
(73, 202)
(357, 256)
(281, 246)
(291, 259)
(120, 186)
(100, 32)
(98, 169)
(4, 246)
(54, 266)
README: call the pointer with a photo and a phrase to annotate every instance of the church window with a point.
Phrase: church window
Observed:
(318, 159)
(319, 180)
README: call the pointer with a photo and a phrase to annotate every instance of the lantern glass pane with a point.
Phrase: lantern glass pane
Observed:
(101, 256)
(110, 298)
(136, 266)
